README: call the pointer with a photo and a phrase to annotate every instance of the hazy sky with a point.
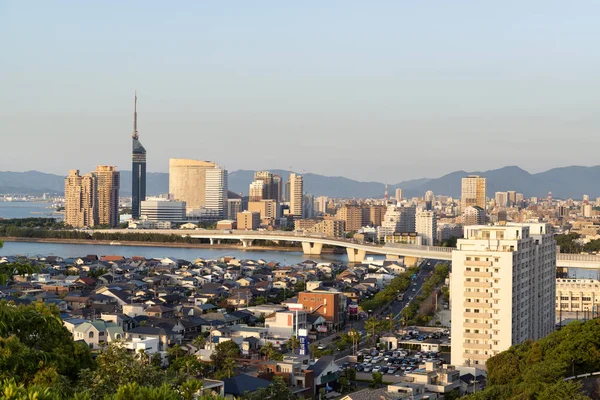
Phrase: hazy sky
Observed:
(371, 90)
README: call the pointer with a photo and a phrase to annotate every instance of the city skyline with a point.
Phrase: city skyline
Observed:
(256, 75)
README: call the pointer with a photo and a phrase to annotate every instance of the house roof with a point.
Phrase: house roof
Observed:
(321, 365)
(244, 383)
(370, 394)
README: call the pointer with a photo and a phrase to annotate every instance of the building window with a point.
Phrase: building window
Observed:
(91, 335)
(586, 299)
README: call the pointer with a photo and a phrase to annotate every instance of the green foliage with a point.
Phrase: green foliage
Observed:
(567, 243)
(377, 379)
(32, 338)
(535, 370)
(398, 285)
(277, 390)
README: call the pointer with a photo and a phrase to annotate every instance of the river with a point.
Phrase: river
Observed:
(27, 209)
(77, 250)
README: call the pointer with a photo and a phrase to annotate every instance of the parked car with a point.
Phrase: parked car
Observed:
(376, 368)
(367, 368)
(392, 370)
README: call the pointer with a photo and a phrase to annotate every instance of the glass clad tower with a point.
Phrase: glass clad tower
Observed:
(138, 169)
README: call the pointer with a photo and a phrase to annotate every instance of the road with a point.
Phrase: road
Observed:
(425, 268)
(396, 306)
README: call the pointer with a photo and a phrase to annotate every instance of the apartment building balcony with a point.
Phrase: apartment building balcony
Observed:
(473, 304)
(477, 335)
(478, 274)
(471, 284)
(477, 346)
(477, 325)
(476, 315)
(473, 263)
(469, 356)
(481, 295)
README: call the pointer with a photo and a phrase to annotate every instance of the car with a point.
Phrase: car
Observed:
(376, 368)
(408, 369)
(383, 370)
(386, 358)
(359, 368)
(421, 338)
(367, 358)
(321, 347)
(414, 290)
(374, 352)
(392, 370)
(367, 368)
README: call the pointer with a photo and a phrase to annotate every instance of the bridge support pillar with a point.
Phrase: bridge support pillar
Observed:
(212, 241)
(410, 261)
(247, 242)
(356, 255)
(312, 249)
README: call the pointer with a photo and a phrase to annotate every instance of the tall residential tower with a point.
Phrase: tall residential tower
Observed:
(138, 168)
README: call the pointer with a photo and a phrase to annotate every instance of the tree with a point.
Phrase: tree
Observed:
(33, 338)
(271, 352)
(8, 270)
(377, 379)
(116, 367)
(226, 369)
(294, 343)
(277, 390)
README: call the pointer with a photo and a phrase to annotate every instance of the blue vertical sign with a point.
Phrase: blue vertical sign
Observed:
(303, 337)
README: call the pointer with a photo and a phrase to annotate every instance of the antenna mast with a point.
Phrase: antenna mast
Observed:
(135, 131)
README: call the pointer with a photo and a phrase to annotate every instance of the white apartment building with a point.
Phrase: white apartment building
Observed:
(502, 289)
(285, 324)
(397, 219)
(426, 226)
(216, 191)
(160, 209)
(446, 231)
(578, 295)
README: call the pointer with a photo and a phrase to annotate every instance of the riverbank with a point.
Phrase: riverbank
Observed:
(294, 249)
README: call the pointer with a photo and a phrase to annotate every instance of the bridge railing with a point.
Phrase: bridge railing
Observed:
(437, 249)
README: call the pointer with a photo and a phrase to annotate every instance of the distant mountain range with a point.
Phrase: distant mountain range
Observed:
(563, 182)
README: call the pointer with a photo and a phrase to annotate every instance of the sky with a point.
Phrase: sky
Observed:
(375, 91)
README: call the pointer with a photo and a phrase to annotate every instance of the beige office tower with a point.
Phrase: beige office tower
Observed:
(256, 192)
(187, 181)
(296, 195)
(108, 182)
(80, 200)
(473, 192)
(398, 195)
(503, 289)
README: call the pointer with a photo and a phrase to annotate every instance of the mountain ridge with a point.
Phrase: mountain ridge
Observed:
(564, 182)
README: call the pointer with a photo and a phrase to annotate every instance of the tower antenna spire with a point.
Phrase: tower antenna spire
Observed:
(135, 131)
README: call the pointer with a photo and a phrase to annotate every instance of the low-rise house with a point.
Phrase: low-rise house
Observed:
(436, 379)
(285, 324)
(96, 333)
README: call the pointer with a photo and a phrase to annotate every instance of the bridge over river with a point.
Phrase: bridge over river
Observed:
(312, 244)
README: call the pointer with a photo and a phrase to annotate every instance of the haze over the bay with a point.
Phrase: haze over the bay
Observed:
(382, 91)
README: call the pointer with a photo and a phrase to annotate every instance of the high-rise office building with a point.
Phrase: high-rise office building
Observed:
(473, 215)
(296, 195)
(161, 209)
(352, 215)
(234, 206)
(321, 204)
(216, 191)
(429, 200)
(503, 289)
(187, 181)
(80, 200)
(512, 198)
(501, 199)
(398, 195)
(308, 205)
(138, 168)
(473, 192)
(426, 227)
(257, 190)
(376, 214)
(277, 188)
(108, 183)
